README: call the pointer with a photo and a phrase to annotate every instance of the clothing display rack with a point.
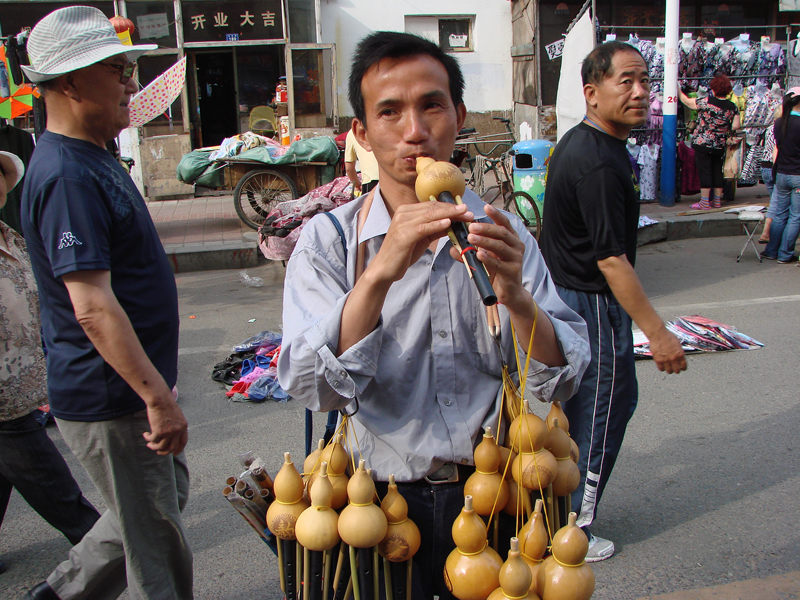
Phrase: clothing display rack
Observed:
(759, 68)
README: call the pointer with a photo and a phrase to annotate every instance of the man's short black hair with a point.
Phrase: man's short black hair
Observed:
(393, 44)
(597, 66)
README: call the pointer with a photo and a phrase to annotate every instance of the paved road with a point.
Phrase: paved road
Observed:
(705, 491)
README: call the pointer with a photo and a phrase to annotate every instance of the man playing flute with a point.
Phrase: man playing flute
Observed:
(406, 342)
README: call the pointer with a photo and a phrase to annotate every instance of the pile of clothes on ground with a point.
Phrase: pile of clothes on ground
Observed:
(699, 334)
(278, 235)
(250, 373)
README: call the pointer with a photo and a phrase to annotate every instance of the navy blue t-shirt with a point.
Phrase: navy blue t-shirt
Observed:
(81, 211)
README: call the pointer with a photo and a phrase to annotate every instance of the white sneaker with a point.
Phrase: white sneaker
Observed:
(599, 549)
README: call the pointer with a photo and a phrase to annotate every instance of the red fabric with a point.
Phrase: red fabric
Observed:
(690, 180)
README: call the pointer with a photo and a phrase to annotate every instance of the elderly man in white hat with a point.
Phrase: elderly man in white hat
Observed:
(109, 318)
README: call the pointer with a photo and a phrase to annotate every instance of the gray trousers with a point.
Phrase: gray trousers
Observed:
(139, 542)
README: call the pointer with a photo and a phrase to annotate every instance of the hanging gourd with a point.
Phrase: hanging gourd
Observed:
(515, 578)
(565, 575)
(472, 570)
(486, 485)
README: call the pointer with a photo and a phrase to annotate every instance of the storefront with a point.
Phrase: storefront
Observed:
(539, 26)
(238, 56)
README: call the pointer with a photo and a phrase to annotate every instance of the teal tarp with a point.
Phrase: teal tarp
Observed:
(195, 167)
(318, 149)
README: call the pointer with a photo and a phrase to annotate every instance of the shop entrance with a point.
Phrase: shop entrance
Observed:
(227, 85)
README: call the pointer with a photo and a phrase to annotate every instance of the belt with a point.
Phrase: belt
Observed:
(448, 473)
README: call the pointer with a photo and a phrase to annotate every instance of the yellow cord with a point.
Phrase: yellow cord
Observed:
(475, 553)
(565, 564)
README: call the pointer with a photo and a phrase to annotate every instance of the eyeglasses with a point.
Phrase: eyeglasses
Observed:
(125, 71)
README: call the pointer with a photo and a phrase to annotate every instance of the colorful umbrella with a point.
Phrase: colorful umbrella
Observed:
(157, 97)
(20, 99)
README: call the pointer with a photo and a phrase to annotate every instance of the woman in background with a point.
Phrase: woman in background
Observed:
(786, 221)
(716, 118)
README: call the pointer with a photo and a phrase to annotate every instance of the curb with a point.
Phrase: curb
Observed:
(213, 257)
(245, 255)
(684, 228)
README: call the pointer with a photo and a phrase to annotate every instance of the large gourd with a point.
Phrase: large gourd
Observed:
(568, 476)
(472, 570)
(362, 523)
(402, 538)
(317, 526)
(336, 457)
(534, 467)
(565, 575)
(486, 485)
(289, 503)
(433, 178)
(515, 578)
(533, 540)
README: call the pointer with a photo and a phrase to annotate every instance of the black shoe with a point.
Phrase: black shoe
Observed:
(43, 591)
(793, 259)
(767, 256)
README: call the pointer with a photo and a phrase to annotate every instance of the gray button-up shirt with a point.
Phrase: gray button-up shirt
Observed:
(429, 376)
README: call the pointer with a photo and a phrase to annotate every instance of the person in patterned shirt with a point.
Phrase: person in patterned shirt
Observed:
(28, 457)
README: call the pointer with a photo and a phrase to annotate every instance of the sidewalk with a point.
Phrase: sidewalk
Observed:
(203, 234)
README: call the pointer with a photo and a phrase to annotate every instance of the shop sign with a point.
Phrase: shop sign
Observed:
(555, 49)
(153, 26)
(232, 21)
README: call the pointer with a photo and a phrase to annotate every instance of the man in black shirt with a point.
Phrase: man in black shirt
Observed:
(589, 243)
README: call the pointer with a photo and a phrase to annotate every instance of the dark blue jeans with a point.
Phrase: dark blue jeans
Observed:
(31, 463)
(434, 508)
(786, 222)
(599, 411)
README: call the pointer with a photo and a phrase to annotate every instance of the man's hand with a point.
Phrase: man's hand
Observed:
(413, 229)
(667, 352)
(168, 427)
(502, 252)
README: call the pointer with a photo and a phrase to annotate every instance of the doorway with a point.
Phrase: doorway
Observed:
(215, 89)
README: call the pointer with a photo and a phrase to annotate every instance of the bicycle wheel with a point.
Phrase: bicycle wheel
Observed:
(258, 192)
(522, 205)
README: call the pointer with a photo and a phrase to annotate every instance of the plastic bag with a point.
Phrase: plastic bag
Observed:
(265, 338)
(250, 281)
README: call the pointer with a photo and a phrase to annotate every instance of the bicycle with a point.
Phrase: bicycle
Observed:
(516, 202)
(487, 145)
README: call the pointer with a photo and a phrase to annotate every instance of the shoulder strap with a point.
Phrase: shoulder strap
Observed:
(338, 226)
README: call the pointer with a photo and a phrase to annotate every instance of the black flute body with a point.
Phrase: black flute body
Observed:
(479, 274)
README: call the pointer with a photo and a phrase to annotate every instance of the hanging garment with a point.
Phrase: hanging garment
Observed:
(633, 153)
(751, 170)
(711, 51)
(771, 65)
(793, 64)
(744, 61)
(655, 119)
(690, 65)
(759, 112)
(690, 180)
(656, 72)
(648, 168)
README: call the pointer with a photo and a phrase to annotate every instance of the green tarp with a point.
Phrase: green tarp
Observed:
(318, 149)
(195, 167)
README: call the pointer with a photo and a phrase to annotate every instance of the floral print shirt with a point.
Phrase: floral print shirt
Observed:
(23, 382)
(714, 121)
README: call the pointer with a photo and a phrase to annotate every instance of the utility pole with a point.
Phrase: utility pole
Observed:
(670, 107)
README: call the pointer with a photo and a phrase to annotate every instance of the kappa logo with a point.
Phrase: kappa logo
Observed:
(67, 240)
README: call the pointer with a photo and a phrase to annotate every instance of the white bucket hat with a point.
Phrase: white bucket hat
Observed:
(72, 38)
(13, 169)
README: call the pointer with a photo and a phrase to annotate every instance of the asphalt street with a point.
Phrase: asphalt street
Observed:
(705, 491)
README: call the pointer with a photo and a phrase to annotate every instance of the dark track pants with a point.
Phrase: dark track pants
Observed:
(604, 403)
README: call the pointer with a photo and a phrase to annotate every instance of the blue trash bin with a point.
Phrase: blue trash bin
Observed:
(531, 158)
